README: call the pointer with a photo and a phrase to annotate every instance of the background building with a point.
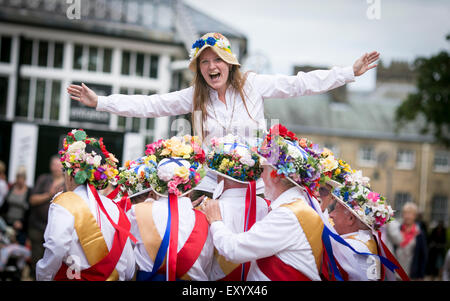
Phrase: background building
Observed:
(359, 127)
(113, 46)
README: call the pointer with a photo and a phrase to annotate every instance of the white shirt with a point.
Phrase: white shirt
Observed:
(233, 115)
(232, 209)
(358, 267)
(201, 267)
(62, 243)
(279, 233)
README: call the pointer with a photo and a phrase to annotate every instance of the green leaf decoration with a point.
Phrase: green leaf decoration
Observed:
(80, 135)
(81, 177)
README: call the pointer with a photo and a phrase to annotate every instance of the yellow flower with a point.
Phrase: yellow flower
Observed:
(230, 164)
(182, 172)
(72, 158)
(327, 152)
(224, 165)
(337, 171)
(329, 163)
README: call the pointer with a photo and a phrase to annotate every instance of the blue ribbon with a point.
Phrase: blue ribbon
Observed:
(305, 155)
(170, 160)
(152, 276)
(234, 145)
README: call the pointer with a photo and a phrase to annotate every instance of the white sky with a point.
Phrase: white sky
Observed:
(334, 32)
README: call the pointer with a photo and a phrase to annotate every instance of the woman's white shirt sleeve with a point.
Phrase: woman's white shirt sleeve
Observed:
(148, 106)
(304, 83)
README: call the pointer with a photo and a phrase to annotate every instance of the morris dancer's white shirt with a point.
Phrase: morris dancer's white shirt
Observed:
(232, 209)
(202, 266)
(62, 244)
(279, 233)
(233, 114)
(358, 267)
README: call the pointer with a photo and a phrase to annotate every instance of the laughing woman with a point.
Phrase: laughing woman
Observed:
(224, 100)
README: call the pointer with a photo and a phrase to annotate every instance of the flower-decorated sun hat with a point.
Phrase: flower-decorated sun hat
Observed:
(217, 42)
(233, 159)
(135, 177)
(179, 165)
(87, 160)
(296, 159)
(368, 206)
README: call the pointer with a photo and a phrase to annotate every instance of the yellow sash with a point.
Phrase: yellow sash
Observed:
(311, 224)
(371, 244)
(88, 231)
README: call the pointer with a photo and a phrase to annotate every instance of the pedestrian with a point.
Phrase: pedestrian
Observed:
(3, 183)
(87, 235)
(221, 99)
(46, 186)
(436, 250)
(15, 209)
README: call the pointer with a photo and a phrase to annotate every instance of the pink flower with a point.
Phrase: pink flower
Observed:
(373, 196)
(172, 187)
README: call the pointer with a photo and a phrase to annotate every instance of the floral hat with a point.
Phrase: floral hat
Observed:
(296, 159)
(216, 42)
(179, 165)
(335, 170)
(370, 207)
(86, 159)
(136, 176)
(233, 159)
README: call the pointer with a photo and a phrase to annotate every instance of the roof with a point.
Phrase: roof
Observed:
(365, 115)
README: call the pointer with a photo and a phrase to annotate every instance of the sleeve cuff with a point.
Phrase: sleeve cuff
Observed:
(101, 103)
(215, 226)
(348, 74)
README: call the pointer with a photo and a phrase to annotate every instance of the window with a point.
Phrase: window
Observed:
(26, 51)
(439, 208)
(107, 57)
(139, 64)
(43, 53)
(92, 65)
(23, 97)
(39, 99)
(405, 159)
(442, 161)
(5, 49)
(401, 198)
(126, 62)
(154, 60)
(367, 156)
(58, 55)
(55, 100)
(3, 94)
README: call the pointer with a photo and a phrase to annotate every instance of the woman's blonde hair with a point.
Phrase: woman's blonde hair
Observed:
(201, 94)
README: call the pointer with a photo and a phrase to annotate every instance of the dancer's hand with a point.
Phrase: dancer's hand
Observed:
(362, 65)
(83, 94)
(212, 211)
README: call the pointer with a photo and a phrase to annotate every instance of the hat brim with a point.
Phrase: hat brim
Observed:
(223, 54)
(334, 183)
(140, 192)
(167, 195)
(224, 175)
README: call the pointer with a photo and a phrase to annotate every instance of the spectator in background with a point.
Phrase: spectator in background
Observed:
(446, 267)
(410, 243)
(3, 182)
(436, 250)
(47, 185)
(15, 208)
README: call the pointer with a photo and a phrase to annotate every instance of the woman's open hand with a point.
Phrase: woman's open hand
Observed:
(362, 65)
(83, 94)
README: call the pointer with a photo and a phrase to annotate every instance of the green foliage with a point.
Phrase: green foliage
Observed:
(432, 98)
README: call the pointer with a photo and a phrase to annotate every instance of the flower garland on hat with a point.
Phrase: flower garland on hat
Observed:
(234, 159)
(137, 175)
(179, 164)
(370, 207)
(334, 169)
(217, 40)
(297, 159)
(97, 169)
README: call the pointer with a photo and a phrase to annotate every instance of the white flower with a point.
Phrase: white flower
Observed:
(294, 152)
(79, 145)
(221, 43)
(192, 53)
(165, 174)
(97, 160)
(247, 160)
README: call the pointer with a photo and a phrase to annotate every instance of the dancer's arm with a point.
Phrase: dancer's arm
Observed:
(313, 82)
(156, 105)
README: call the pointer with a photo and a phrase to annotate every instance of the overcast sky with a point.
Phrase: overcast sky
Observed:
(335, 32)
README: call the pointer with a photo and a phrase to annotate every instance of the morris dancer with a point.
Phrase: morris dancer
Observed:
(237, 169)
(87, 234)
(287, 243)
(170, 225)
(230, 102)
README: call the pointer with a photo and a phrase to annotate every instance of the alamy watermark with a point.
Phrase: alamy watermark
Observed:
(374, 10)
(74, 9)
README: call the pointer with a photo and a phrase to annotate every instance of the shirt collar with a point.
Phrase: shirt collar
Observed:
(287, 197)
(363, 235)
(234, 193)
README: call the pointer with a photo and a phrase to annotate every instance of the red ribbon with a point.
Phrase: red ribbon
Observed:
(173, 242)
(116, 226)
(113, 194)
(391, 257)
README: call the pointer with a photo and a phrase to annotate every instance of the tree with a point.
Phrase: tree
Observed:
(432, 98)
